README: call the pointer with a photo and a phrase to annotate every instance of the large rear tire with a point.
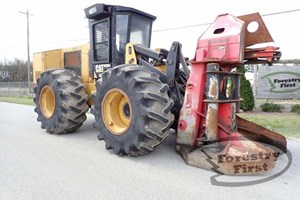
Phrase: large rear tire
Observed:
(60, 101)
(132, 110)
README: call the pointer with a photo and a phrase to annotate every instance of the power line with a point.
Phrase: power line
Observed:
(279, 13)
(206, 24)
(174, 28)
(182, 27)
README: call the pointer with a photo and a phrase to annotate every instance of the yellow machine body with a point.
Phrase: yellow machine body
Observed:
(72, 57)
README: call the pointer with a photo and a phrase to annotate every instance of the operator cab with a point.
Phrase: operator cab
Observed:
(111, 28)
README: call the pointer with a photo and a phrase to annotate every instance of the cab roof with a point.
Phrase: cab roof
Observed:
(98, 11)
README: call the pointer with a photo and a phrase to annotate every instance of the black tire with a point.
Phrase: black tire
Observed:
(70, 107)
(150, 112)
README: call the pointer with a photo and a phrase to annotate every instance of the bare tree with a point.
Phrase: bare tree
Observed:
(13, 71)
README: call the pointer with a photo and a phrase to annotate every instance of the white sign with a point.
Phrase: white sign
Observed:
(278, 82)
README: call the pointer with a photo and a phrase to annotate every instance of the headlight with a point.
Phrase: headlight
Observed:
(92, 10)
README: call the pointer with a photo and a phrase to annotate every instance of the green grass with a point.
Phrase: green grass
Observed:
(18, 100)
(287, 124)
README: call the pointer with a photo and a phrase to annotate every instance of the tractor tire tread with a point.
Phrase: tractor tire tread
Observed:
(70, 99)
(154, 114)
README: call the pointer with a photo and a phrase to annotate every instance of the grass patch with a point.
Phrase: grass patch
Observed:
(18, 100)
(286, 124)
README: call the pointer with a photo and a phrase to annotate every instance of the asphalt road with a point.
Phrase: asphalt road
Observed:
(37, 165)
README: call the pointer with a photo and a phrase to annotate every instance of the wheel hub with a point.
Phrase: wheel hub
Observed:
(47, 101)
(116, 111)
(126, 110)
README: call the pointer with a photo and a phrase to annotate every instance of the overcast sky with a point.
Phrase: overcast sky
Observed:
(59, 24)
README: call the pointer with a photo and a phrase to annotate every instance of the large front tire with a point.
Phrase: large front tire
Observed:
(132, 110)
(60, 101)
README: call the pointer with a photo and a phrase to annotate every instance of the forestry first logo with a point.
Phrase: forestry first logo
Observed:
(241, 163)
(283, 82)
(262, 166)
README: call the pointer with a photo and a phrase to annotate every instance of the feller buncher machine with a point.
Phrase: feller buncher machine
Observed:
(140, 96)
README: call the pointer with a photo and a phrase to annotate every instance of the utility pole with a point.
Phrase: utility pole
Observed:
(28, 48)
